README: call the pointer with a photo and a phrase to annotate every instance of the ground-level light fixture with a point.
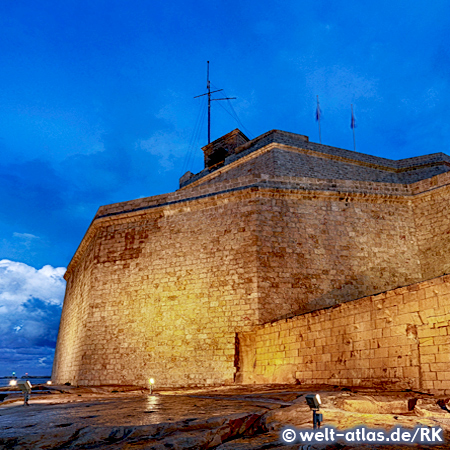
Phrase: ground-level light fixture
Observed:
(25, 387)
(49, 382)
(151, 382)
(13, 383)
(314, 402)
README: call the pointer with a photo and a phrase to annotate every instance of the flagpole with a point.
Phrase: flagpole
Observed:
(353, 127)
(318, 119)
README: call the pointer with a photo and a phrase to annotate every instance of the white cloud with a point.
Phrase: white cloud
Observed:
(20, 283)
(167, 146)
(27, 236)
(170, 110)
(30, 309)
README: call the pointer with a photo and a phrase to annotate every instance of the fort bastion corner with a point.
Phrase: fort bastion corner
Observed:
(283, 260)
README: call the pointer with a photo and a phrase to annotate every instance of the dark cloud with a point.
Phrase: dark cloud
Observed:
(55, 202)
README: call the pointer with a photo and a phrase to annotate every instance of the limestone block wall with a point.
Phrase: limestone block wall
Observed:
(296, 156)
(170, 288)
(73, 327)
(432, 218)
(316, 250)
(160, 286)
(397, 339)
(163, 291)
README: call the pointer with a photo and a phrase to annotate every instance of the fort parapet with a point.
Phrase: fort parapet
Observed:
(175, 286)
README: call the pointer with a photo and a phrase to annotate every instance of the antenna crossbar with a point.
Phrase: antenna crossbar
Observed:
(226, 98)
(207, 93)
(208, 87)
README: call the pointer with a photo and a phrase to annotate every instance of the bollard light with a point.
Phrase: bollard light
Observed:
(13, 383)
(152, 382)
(25, 387)
(49, 382)
(314, 402)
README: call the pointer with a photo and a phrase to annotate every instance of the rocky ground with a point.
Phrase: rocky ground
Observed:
(226, 418)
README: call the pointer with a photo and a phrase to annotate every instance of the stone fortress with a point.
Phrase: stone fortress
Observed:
(282, 261)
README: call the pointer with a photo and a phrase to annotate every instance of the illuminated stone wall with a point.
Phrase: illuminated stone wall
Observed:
(397, 339)
(317, 250)
(170, 286)
(169, 291)
(73, 328)
(432, 218)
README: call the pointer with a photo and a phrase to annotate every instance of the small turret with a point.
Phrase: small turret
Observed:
(216, 152)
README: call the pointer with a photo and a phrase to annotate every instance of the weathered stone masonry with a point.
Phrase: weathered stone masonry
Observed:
(397, 339)
(176, 286)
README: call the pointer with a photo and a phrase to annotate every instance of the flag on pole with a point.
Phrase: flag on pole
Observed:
(353, 122)
(353, 126)
(318, 111)
(318, 115)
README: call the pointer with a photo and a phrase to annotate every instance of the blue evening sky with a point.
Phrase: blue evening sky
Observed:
(97, 107)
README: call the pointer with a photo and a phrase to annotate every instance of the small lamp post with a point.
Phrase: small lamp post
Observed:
(314, 403)
(151, 382)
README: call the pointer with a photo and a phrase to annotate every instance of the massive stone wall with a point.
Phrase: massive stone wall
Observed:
(160, 286)
(397, 339)
(170, 289)
(73, 329)
(316, 250)
(432, 218)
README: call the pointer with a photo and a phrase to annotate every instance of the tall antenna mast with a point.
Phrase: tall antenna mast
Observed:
(208, 87)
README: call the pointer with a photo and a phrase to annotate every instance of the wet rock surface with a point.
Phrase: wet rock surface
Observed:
(227, 418)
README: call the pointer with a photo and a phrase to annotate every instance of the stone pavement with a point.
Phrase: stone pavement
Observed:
(226, 418)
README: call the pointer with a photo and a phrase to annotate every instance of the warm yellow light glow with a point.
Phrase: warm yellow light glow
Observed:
(152, 381)
(49, 382)
(13, 383)
(153, 403)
